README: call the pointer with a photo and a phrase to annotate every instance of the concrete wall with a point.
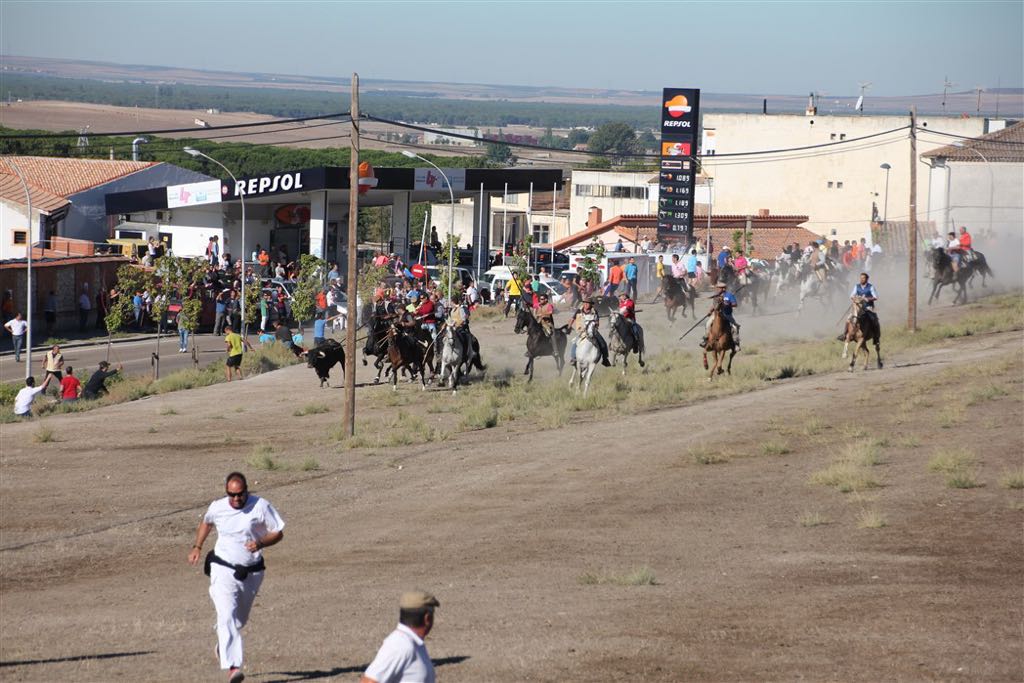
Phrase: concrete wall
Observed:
(67, 282)
(798, 183)
(581, 199)
(13, 218)
(986, 197)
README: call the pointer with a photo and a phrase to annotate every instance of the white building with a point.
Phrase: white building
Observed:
(840, 186)
(979, 184)
(446, 136)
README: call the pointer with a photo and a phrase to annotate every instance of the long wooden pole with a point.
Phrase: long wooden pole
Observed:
(912, 237)
(353, 276)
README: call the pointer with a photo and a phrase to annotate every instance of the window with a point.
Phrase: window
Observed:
(584, 190)
(20, 237)
(540, 234)
(832, 137)
(830, 184)
(839, 185)
(842, 136)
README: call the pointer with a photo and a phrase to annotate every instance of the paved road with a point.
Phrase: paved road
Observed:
(134, 355)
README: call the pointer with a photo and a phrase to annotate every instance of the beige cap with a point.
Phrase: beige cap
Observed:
(417, 600)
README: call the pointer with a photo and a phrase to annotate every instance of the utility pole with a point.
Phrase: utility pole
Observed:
(912, 236)
(353, 277)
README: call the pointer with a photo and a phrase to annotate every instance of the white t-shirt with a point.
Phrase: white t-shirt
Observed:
(17, 327)
(953, 244)
(23, 401)
(235, 528)
(402, 658)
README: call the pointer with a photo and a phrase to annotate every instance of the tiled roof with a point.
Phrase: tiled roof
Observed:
(1006, 145)
(722, 226)
(542, 202)
(65, 177)
(12, 190)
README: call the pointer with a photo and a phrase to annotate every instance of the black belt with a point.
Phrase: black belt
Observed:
(241, 571)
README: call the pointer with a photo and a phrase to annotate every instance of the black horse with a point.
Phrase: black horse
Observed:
(377, 339)
(538, 343)
(943, 274)
(678, 293)
(746, 288)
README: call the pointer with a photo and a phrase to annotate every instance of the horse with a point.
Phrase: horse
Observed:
(863, 328)
(377, 342)
(943, 274)
(538, 343)
(979, 265)
(746, 286)
(719, 341)
(588, 356)
(405, 351)
(824, 290)
(677, 294)
(622, 342)
(453, 356)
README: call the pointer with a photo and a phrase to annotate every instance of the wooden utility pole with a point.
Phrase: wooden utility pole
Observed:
(353, 276)
(912, 237)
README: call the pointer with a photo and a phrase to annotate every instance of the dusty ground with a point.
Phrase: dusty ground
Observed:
(508, 526)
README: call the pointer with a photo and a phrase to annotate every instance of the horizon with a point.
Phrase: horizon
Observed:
(789, 48)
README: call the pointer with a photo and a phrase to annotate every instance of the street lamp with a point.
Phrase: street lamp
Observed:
(196, 153)
(885, 209)
(991, 179)
(28, 277)
(451, 225)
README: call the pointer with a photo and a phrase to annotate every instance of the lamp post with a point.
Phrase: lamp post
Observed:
(451, 224)
(991, 180)
(885, 208)
(196, 153)
(28, 277)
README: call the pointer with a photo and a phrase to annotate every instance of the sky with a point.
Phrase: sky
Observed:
(902, 48)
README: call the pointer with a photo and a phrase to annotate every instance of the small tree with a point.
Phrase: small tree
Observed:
(738, 239)
(588, 269)
(307, 287)
(450, 247)
(519, 261)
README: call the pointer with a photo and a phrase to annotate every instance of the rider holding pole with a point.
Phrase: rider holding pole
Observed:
(727, 304)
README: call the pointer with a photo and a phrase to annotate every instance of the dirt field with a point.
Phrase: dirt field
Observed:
(697, 542)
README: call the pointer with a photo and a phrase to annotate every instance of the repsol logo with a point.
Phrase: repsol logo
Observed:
(282, 182)
(676, 124)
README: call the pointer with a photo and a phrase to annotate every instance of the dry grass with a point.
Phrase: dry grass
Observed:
(963, 479)
(989, 392)
(709, 457)
(312, 409)
(814, 426)
(812, 519)
(865, 453)
(399, 429)
(44, 435)
(262, 459)
(310, 465)
(846, 477)
(952, 460)
(168, 411)
(950, 417)
(1012, 479)
(641, 576)
(871, 519)
(775, 448)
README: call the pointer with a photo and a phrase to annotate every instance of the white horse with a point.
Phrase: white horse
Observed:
(588, 356)
(621, 341)
(453, 355)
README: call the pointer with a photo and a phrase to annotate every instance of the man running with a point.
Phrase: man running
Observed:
(235, 346)
(246, 524)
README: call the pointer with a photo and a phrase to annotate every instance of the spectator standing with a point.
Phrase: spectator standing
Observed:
(70, 387)
(50, 313)
(403, 657)
(53, 363)
(631, 273)
(221, 312)
(235, 346)
(84, 308)
(319, 329)
(17, 326)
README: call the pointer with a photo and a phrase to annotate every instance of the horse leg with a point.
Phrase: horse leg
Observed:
(572, 376)
(705, 360)
(590, 373)
(529, 367)
(728, 368)
(867, 352)
(878, 352)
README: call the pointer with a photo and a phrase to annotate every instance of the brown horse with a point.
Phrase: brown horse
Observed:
(863, 327)
(719, 341)
(677, 294)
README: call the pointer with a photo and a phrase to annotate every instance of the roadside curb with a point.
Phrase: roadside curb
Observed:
(95, 341)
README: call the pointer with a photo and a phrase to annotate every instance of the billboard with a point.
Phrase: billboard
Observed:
(680, 121)
(430, 179)
(193, 194)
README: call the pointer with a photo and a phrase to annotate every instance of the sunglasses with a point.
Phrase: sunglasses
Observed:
(241, 494)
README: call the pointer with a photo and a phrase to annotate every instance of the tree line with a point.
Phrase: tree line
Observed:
(293, 103)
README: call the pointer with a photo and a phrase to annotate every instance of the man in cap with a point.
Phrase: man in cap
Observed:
(728, 303)
(96, 386)
(246, 524)
(403, 658)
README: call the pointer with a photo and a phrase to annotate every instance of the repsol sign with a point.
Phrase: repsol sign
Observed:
(269, 184)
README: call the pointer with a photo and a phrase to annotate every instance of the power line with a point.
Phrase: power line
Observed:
(987, 141)
(32, 136)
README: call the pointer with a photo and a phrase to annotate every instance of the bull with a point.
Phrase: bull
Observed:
(324, 357)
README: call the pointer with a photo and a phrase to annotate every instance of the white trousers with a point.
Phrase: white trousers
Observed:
(232, 599)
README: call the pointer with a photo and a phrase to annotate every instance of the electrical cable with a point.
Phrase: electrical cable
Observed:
(987, 141)
(40, 136)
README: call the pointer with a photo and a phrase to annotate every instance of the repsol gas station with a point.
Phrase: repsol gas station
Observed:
(306, 210)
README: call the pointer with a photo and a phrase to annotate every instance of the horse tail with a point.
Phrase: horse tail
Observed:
(477, 363)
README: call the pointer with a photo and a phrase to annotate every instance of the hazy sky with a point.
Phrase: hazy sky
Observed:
(758, 48)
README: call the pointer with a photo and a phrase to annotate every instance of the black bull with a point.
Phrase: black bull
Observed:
(324, 357)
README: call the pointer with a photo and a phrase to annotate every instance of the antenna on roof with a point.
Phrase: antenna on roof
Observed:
(83, 138)
(864, 85)
(979, 90)
(946, 85)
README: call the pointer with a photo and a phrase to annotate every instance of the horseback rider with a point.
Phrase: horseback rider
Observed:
(865, 291)
(953, 248)
(627, 309)
(580, 319)
(815, 258)
(965, 244)
(426, 314)
(545, 314)
(458, 319)
(727, 304)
